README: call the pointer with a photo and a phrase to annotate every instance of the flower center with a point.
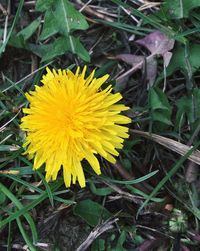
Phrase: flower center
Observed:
(68, 122)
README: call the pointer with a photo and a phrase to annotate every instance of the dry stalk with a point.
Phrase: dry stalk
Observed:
(171, 145)
(98, 230)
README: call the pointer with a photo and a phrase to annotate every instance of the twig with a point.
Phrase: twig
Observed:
(92, 12)
(5, 28)
(100, 229)
(171, 145)
(128, 196)
(29, 3)
(128, 12)
(85, 5)
(123, 171)
(134, 68)
(149, 5)
(29, 75)
(8, 122)
(5, 13)
(126, 175)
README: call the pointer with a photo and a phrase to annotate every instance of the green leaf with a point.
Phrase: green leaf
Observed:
(42, 5)
(17, 41)
(59, 47)
(188, 107)
(139, 192)
(91, 212)
(50, 26)
(25, 235)
(130, 182)
(162, 117)
(61, 17)
(2, 198)
(27, 32)
(68, 18)
(178, 60)
(184, 109)
(52, 50)
(18, 205)
(98, 245)
(80, 50)
(120, 242)
(100, 191)
(24, 209)
(158, 99)
(180, 8)
(48, 188)
(160, 109)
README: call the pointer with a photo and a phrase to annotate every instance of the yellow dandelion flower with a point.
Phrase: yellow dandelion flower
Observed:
(70, 119)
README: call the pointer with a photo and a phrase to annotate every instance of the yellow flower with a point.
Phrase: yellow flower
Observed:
(70, 119)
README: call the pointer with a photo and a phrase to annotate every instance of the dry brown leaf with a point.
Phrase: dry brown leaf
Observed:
(171, 145)
(158, 44)
(131, 59)
(138, 62)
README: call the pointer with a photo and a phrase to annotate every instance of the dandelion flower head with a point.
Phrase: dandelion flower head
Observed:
(69, 119)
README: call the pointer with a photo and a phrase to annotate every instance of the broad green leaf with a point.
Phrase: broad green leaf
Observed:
(184, 110)
(42, 5)
(98, 245)
(158, 99)
(80, 50)
(59, 47)
(160, 109)
(61, 17)
(91, 212)
(188, 107)
(2, 198)
(17, 41)
(30, 29)
(161, 116)
(180, 8)
(100, 191)
(68, 18)
(52, 50)
(120, 242)
(50, 26)
(178, 60)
